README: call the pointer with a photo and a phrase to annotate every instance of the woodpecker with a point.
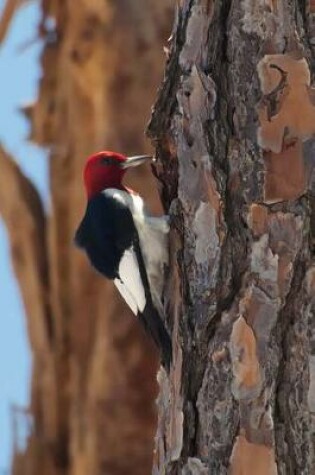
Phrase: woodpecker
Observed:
(124, 242)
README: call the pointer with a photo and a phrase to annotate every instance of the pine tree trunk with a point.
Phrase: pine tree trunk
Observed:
(234, 125)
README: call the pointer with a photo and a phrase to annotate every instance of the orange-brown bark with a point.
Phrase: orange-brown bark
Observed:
(234, 128)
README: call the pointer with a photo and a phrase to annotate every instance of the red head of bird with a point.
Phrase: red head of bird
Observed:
(106, 170)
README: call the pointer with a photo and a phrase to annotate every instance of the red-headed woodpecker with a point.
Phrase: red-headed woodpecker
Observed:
(124, 243)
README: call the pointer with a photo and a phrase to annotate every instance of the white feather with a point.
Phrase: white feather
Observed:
(153, 236)
(130, 283)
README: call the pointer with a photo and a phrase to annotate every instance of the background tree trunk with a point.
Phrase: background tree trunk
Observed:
(234, 125)
(94, 370)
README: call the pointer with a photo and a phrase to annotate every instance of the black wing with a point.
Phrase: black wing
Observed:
(105, 232)
(108, 235)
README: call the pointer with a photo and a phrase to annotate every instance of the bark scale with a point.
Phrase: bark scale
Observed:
(234, 125)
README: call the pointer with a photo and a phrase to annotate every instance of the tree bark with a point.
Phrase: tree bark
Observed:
(234, 126)
(94, 370)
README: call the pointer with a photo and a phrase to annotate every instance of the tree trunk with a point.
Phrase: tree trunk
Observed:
(94, 370)
(234, 125)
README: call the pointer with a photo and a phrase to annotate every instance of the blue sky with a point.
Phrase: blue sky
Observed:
(19, 73)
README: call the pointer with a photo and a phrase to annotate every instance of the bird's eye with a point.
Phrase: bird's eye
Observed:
(106, 161)
(109, 160)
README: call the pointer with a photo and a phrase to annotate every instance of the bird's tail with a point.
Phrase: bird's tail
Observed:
(152, 322)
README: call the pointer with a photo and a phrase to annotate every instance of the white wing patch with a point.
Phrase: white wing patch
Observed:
(130, 283)
(152, 230)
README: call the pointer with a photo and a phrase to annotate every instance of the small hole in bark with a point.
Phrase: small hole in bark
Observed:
(190, 141)
(75, 55)
(51, 107)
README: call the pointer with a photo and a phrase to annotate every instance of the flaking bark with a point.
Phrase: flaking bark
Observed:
(234, 127)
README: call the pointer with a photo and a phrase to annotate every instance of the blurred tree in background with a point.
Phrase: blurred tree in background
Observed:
(94, 371)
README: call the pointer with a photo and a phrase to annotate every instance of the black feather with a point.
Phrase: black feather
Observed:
(106, 230)
(105, 233)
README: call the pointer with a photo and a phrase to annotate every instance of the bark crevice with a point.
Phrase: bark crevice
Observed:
(239, 280)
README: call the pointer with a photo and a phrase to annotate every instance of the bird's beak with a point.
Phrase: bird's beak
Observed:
(135, 161)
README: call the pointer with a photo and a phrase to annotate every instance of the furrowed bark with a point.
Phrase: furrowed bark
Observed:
(234, 125)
